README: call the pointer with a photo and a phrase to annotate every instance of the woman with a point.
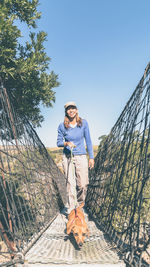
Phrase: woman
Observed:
(71, 135)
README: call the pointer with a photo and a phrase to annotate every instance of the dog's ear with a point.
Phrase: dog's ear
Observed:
(69, 229)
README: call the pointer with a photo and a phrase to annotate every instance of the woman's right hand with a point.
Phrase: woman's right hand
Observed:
(71, 144)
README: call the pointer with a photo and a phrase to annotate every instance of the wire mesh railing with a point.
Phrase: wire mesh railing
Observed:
(32, 188)
(119, 190)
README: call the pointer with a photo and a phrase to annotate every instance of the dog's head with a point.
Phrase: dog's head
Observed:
(79, 233)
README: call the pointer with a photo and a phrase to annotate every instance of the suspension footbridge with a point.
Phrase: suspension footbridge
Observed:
(33, 193)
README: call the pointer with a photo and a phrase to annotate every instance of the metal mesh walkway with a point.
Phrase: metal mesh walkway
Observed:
(55, 247)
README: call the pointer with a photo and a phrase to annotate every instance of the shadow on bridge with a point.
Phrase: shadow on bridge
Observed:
(33, 192)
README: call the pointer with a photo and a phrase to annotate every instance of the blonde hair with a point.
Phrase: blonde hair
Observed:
(67, 121)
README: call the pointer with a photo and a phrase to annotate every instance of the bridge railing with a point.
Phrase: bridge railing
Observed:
(32, 188)
(119, 191)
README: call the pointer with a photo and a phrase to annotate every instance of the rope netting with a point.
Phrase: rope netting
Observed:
(119, 191)
(32, 188)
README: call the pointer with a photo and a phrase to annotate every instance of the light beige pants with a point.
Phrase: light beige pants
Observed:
(76, 172)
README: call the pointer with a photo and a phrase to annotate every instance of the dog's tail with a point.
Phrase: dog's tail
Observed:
(81, 205)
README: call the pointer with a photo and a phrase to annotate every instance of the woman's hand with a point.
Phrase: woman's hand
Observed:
(91, 163)
(71, 144)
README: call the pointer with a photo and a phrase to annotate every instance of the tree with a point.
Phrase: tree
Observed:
(24, 68)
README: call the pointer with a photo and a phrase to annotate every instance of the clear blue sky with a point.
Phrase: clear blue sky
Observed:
(99, 49)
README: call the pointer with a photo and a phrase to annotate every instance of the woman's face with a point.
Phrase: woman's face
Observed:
(71, 112)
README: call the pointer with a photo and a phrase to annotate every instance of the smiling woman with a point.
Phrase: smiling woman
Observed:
(71, 135)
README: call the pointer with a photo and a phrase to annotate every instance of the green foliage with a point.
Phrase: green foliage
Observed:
(126, 168)
(102, 139)
(24, 67)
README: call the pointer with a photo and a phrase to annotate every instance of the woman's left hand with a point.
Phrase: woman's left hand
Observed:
(91, 163)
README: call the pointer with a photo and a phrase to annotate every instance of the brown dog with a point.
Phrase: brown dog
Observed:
(76, 224)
